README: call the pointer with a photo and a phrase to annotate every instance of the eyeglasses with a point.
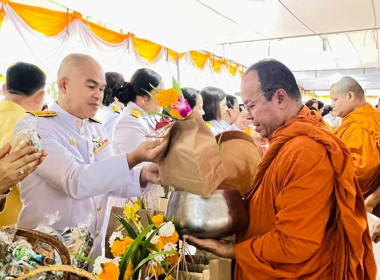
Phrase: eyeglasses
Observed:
(245, 107)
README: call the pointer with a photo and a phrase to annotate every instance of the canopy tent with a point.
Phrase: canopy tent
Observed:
(320, 40)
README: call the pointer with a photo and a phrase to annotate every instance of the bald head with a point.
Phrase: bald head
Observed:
(81, 82)
(75, 61)
(348, 84)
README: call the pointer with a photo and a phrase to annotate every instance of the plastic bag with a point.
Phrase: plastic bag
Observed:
(28, 135)
(79, 241)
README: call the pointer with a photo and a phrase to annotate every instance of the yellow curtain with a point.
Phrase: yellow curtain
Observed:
(199, 58)
(106, 34)
(172, 54)
(50, 23)
(45, 21)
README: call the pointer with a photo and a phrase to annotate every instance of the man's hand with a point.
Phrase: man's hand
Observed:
(15, 166)
(149, 173)
(375, 232)
(213, 246)
(372, 200)
(147, 151)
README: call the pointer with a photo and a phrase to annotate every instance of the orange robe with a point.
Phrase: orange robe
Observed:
(307, 214)
(360, 131)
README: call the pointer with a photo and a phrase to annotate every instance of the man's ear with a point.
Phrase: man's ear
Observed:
(351, 95)
(62, 83)
(4, 88)
(281, 98)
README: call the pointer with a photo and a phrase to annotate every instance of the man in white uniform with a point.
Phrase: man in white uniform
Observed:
(81, 170)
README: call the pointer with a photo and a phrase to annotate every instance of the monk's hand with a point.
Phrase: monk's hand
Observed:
(213, 246)
(375, 232)
(372, 200)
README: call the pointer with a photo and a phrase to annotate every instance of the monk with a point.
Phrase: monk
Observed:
(307, 214)
(360, 131)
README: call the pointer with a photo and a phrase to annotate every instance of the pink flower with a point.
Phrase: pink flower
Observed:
(182, 106)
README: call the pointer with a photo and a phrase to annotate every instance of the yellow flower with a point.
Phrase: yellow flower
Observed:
(119, 247)
(158, 220)
(173, 239)
(172, 259)
(156, 270)
(128, 272)
(169, 277)
(130, 214)
(175, 114)
(110, 272)
(167, 98)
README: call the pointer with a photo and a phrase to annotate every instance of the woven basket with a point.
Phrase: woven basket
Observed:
(34, 236)
(68, 269)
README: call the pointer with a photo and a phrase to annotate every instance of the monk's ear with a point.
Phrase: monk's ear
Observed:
(281, 98)
(62, 84)
(351, 95)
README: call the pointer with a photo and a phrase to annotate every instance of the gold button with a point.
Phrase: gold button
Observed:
(97, 233)
(73, 142)
(98, 208)
(78, 123)
(90, 154)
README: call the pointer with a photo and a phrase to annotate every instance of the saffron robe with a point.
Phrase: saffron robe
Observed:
(307, 214)
(360, 131)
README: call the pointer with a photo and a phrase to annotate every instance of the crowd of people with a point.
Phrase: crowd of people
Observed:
(318, 178)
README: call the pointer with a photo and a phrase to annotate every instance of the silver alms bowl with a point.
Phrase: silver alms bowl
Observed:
(222, 214)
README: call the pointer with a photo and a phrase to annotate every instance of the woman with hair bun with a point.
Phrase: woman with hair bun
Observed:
(112, 106)
(134, 122)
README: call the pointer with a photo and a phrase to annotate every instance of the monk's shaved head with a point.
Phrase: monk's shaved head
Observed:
(74, 61)
(348, 84)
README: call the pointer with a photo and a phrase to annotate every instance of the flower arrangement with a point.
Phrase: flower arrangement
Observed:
(173, 102)
(154, 246)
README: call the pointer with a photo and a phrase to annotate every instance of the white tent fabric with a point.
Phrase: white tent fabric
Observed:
(317, 39)
(21, 43)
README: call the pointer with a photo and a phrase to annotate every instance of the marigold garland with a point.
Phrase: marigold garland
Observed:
(119, 247)
(172, 259)
(167, 97)
(175, 114)
(158, 220)
(110, 272)
(128, 272)
(156, 270)
(173, 239)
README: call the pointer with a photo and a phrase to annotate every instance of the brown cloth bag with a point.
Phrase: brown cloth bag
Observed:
(199, 163)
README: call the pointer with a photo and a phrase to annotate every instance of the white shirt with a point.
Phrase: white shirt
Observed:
(108, 117)
(77, 176)
(217, 128)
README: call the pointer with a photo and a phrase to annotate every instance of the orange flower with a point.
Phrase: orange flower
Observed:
(175, 114)
(155, 270)
(172, 259)
(110, 272)
(119, 247)
(173, 239)
(128, 272)
(167, 98)
(160, 244)
(158, 220)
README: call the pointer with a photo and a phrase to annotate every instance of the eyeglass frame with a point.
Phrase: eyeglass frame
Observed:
(245, 107)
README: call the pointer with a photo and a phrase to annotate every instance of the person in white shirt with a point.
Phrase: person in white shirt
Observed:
(233, 112)
(110, 113)
(215, 107)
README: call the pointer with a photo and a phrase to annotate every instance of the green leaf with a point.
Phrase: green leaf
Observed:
(131, 250)
(91, 261)
(147, 242)
(150, 257)
(176, 87)
(127, 227)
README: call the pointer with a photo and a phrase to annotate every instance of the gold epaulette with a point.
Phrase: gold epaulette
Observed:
(115, 109)
(136, 113)
(95, 120)
(43, 113)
